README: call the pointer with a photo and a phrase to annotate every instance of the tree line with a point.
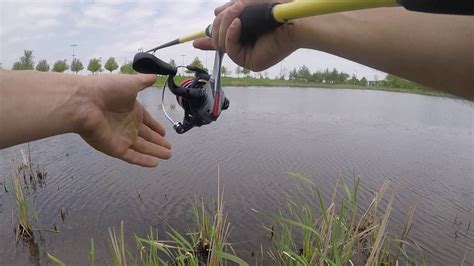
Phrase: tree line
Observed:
(339, 77)
(330, 77)
(26, 62)
(303, 73)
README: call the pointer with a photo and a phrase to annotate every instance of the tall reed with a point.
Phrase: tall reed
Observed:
(23, 227)
(315, 232)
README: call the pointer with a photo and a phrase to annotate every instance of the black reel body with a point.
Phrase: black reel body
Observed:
(201, 96)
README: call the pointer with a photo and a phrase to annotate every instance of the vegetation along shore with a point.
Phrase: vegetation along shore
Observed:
(241, 77)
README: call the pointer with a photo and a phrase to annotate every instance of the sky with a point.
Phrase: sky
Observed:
(119, 28)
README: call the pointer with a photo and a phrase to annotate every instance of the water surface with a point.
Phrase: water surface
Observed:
(424, 142)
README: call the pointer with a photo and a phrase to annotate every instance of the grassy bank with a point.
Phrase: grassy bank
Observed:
(255, 82)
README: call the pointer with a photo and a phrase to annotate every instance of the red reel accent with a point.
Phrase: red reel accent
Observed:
(185, 84)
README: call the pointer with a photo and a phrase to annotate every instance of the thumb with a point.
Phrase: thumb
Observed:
(145, 81)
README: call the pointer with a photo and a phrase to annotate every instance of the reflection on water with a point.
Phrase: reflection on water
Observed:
(424, 142)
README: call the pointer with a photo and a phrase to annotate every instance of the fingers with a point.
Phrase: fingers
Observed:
(228, 17)
(149, 121)
(218, 10)
(203, 44)
(145, 147)
(216, 30)
(234, 49)
(153, 137)
(137, 158)
(145, 81)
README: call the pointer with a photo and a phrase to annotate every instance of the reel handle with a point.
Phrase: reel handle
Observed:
(181, 129)
(147, 63)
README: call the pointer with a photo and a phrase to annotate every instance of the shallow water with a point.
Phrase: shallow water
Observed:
(424, 142)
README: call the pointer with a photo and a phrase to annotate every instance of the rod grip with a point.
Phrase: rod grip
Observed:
(257, 20)
(454, 7)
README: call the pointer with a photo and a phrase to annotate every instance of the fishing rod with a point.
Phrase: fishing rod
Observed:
(202, 97)
(259, 19)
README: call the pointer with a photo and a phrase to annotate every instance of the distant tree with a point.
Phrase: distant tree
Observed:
(342, 77)
(76, 66)
(245, 71)
(333, 76)
(293, 75)
(42, 66)
(304, 73)
(238, 70)
(94, 66)
(127, 68)
(397, 82)
(364, 82)
(111, 64)
(16, 66)
(172, 63)
(197, 63)
(1, 66)
(318, 77)
(224, 71)
(26, 61)
(265, 74)
(353, 80)
(60, 66)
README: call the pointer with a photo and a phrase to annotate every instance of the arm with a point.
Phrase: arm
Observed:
(103, 110)
(434, 50)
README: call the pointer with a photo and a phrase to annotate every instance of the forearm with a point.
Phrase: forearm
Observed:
(36, 105)
(434, 50)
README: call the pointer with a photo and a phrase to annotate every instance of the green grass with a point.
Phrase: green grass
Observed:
(24, 179)
(23, 227)
(254, 82)
(315, 232)
(306, 232)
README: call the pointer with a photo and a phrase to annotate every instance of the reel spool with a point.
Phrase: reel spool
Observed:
(201, 97)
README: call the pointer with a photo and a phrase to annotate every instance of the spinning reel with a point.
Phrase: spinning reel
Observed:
(201, 97)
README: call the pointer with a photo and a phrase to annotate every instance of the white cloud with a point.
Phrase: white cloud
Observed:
(104, 28)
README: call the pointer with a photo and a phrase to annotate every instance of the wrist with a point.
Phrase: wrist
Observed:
(319, 32)
(81, 104)
(305, 33)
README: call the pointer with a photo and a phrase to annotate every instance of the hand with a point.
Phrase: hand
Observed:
(115, 123)
(267, 51)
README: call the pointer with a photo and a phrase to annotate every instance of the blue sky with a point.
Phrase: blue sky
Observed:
(118, 28)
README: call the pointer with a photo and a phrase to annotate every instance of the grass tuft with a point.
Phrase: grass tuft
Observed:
(315, 232)
(23, 227)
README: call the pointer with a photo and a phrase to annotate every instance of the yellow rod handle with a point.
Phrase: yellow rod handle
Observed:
(308, 8)
(193, 36)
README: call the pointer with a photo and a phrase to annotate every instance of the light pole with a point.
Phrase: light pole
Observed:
(183, 55)
(73, 56)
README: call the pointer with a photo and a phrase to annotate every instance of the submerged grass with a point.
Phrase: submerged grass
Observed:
(24, 181)
(206, 244)
(23, 226)
(309, 232)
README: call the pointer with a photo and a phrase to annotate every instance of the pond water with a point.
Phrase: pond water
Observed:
(424, 142)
